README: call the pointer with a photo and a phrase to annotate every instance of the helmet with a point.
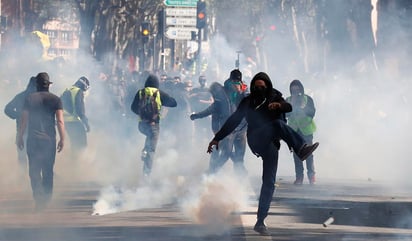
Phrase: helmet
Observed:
(83, 83)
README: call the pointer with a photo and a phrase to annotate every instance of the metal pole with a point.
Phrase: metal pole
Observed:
(237, 62)
(172, 54)
(199, 51)
(163, 59)
(144, 56)
(154, 64)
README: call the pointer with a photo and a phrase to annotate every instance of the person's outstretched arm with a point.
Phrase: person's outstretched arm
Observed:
(230, 125)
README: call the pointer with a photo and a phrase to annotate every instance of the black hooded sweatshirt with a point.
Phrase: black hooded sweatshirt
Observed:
(165, 99)
(14, 108)
(255, 109)
(220, 109)
(309, 108)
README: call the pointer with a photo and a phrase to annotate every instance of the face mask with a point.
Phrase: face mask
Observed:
(296, 93)
(260, 91)
(295, 90)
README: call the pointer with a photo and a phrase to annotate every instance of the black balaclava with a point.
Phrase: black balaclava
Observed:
(260, 93)
(152, 81)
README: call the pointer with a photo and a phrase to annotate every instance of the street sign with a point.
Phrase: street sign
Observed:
(181, 3)
(192, 46)
(181, 12)
(180, 21)
(179, 33)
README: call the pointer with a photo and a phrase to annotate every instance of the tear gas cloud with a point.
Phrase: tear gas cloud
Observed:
(362, 121)
(209, 201)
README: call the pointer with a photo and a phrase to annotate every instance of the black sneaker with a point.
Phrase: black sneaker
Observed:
(307, 150)
(260, 228)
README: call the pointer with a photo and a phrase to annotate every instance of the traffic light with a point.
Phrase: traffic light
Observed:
(201, 15)
(145, 31)
(161, 21)
(272, 27)
(3, 23)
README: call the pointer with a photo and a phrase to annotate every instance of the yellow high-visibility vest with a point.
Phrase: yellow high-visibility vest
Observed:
(304, 124)
(72, 116)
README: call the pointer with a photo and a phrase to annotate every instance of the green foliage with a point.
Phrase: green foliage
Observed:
(113, 26)
(52, 9)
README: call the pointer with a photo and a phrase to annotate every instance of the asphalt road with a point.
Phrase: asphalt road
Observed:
(361, 210)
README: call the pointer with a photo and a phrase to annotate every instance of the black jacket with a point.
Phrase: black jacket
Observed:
(256, 110)
(165, 99)
(220, 109)
(14, 108)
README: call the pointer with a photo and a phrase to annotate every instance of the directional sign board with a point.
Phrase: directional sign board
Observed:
(178, 21)
(181, 12)
(179, 33)
(181, 3)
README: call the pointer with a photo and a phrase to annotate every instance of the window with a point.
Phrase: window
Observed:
(51, 34)
(66, 36)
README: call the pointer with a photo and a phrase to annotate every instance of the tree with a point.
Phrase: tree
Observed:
(114, 34)
(306, 36)
(288, 35)
(394, 47)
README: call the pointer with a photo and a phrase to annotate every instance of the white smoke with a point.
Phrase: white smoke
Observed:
(209, 201)
(215, 201)
(120, 199)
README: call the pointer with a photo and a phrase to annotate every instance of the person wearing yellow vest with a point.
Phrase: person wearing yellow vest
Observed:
(150, 126)
(74, 113)
(301, 120)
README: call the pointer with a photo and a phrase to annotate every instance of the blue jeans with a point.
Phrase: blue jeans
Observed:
(151, 131)
(219, 157)
(238, 153)
(41, 154)
(232, 146)
(309, 161)
(263, 141)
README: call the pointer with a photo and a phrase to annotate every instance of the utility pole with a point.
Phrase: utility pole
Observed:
(199, 51)
(145, 30)
(161, 33)
(153, 52)
(237, 62)
(201, 22)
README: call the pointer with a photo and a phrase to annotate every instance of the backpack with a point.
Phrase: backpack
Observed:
(148, 106)
(67, 101)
